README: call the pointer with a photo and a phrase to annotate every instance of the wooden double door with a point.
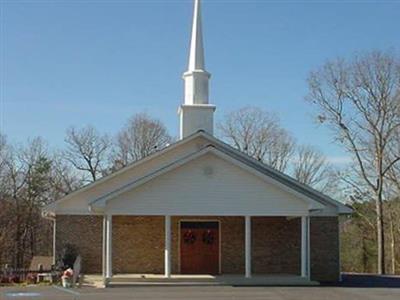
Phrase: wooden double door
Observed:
(199, 247)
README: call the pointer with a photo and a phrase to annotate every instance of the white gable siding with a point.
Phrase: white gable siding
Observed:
(78, 204)
(207, 186)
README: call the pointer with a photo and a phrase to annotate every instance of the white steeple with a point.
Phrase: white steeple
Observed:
(196, 113)
(196, 56)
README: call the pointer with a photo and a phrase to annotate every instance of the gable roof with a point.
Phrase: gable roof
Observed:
(216, 146)
(210, 148)
(280, 176)
(51, 206)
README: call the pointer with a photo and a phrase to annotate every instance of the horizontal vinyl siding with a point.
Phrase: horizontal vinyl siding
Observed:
(79, 203)
(207, 186)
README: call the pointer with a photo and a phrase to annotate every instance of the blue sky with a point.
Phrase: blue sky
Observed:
(69, 63)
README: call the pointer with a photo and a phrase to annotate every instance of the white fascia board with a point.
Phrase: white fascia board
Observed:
(344, 209)
(81, 212)
(195, 215)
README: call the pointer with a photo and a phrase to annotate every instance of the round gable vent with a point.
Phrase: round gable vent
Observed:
(208, 170)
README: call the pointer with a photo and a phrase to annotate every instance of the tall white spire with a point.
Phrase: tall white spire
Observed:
(196, 56)
(196, 77)
(196, 113)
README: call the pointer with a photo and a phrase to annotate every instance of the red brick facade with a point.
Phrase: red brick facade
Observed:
(276, 245)
(85, 232)
(138, 244)
(324, 240)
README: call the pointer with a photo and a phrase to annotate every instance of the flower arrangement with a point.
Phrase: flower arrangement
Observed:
(66, 278)
(208, 237)
(189, 237)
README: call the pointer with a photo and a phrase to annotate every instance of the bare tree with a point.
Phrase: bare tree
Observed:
(393, 218)
(3, 148)
(5, 202)
(393, 174)
(87, 151)
(4, 156)
(64, 179)
(258, 134)
(141, 136)
(27, 187)
(30, 177)
(359, 101)
(311, 168)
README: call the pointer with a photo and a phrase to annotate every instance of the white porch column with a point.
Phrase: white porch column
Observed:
(104, 245)
(109, 246)
(54, 242)
(305, 246)
(248, 246)
(167, 250)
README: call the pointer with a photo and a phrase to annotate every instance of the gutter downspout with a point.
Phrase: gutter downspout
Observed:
(52, 217)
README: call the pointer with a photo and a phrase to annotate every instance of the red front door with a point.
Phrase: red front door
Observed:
(199, 247)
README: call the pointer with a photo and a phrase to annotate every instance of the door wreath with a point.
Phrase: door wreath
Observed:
(208, 237)
(189, 237)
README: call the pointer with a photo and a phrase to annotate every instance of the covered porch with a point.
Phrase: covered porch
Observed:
(252, 250)
(257, 225)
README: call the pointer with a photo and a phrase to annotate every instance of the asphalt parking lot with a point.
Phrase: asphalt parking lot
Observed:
(358, 288)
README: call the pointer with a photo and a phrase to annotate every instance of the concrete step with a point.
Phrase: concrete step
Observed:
(211, 280)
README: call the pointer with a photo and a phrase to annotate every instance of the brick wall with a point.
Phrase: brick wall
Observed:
(138, 244)
(85, 232)
(233, 257)
(324, 240)
(276, 245)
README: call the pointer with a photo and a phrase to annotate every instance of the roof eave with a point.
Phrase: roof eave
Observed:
(345, 210)
(316, 195)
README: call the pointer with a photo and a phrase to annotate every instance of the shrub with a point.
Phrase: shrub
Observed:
(4, 279)
(13, 278)
(69, 255)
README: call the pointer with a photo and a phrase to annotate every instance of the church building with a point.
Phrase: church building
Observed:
(201, 209)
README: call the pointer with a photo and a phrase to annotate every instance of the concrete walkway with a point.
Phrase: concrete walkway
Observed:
(202, 280)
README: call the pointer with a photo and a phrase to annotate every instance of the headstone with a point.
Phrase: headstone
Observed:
(77, 270)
